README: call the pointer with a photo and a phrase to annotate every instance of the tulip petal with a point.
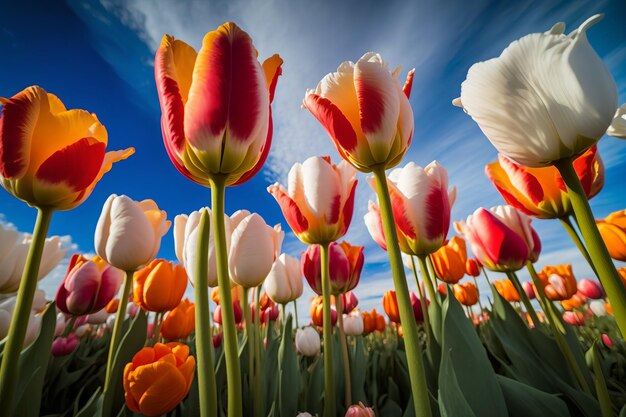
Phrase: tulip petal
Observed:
(334, 121)
(297, 221)
(408, 84)
(272, 67)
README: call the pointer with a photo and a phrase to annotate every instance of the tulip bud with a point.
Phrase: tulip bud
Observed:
(360, 410)
(317, 312)
(353, 324)
(590, 289)
(607, 340)
(308, 341)
(304, 415)
(472, 268)
(284, 281)
(529, 290)
(449, 260)
(62, 346)
(345, 265)
(575, 318)
(442, 288)
(179, 322)
(598, 308)
(217, 313)
(99, 317)
(466, 293)
(128, 234)
(159, 286)
(269, 314)
(416, 304)
(349, 302)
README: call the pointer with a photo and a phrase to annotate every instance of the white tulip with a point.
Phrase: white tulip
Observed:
(128, 234)
(547, 97)
(284, 281)
(59, 328)
(81, 330)
(304, 415)
(353, 324)
(598, 307)
(308, 341)
(618, 125)
(99, 317)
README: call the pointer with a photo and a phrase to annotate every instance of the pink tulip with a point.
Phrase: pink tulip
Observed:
(88, 286)
(575, 318)
(217, 340)
(501, 238)
(529, 290)
(417, 308)
(365, 111)
(607, 340)
(590, 289)
(217, 313)
(360, 410)
(269, 314)
(421, 206)
(349, 302)
(319, 201)
(345, 264)
(62, 346)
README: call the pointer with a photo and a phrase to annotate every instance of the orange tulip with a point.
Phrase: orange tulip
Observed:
(449, 261)
(112, 306)
(379, 320)
(472, 268)
(506, 289)
(576, 301)
(158, 378)
(390, 305)
(179, 322)
(373, 321)
(540, 192)
(159, 286)
(622, 274)
(613, 231)
(317, 312)
(558, 282)
(442, 288)
(50, 156)
(466, 293)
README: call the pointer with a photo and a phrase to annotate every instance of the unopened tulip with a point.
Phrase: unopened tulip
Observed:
(449, 260)
(319, 200)
(215, 104)
(254, 248)
(540, 192)
(39, 301)
(159, 286)
(613, 231)
(575, 301)
(62, 346)
(284, 281)
(345, 266)
(217, 313)
(59, 328)
(442, 288)
(507, 290)
(618, 125)
(179, 322)
(158, 378)
(590, 289)
(304, 415)
(217, 340)
(416, 305)
(360, 410)
(472, 268)
(51, 157)
(112, 306)
(390, 305)
(99, 317)
(308, 341)
(349, 301)
(88, 286)
(317, 312)
(575, 318)
(607, 340)
(269, 314)
(598, 307)
(365, 111)
(353, 324)
(466, 293)
(519, 102)
(558, 281)
(372, 321)
(128, 234)
(529, 290)
(421, 205)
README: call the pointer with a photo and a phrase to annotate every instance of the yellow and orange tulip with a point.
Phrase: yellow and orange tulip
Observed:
(507, 290)
(158, 378)
(558, 282)
(159, 286)
(613, 231)
(449, 260)
(51, 157)
(466, 293)
(179, 322)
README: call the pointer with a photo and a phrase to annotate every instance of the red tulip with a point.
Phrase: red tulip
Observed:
(590, 289)
(62, 346)
(217, 313)
(349, 302)
(472, 267)
(575, 318)
(345, 264)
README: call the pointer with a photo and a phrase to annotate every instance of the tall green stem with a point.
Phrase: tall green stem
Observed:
(295, 310)
(426, 278)
(204, 345)
(21, 313)
(485, 274)
(558, 336)
(520, 290)
(479, 303)
(573, 234)
(233, 373)
(251, 344)
(423, 302)
(259, 400)
(116, 336)
(598, 252)
(329, 382)
(419, 388)
(344, 352)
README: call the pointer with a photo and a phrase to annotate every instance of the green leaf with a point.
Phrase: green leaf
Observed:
(288, 376)
(358, 371)
(523, 400)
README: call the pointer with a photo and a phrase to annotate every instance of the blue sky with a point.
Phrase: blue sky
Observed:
(98, 55)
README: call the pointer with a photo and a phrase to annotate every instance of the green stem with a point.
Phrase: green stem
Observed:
(156, 327)
(344, 352)
(21, 313)
(598, 252)
(482, 268)
(520, 290)
(571, 231)
(329, 381)
(116, 336)
(604, 399)
(295, 309)
(251, 344)
(423, 302)
(283, 317)
(558, 336)
(233, 373)
(426, 278)
(419, 388)
(479, 303)
(259, 400)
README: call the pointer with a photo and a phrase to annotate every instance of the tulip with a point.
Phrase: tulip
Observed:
(62, 346)
(501, 238)
(416, 304)
(519, 103)
(284, 281)
(70, 155)
(349, 302)
(365, 112)
(590, 289)
(575, 301)
(360, 410)
(217, 313)
(308, 341)
(472, 267)
(540, 192)
(319, 201)
(466, 293)
(217, 340)
(345, 264)
(575, 318)
(316, 312)
(613, 231)
(179, 322)
(304, 415)
(128, 234)
(99, 317)
(607, 340)
(353, 324)
(254, 248)
(558, 282)
(449, 261)
(112, 306)
(59, 328)
(159, 286)
(373, 321)
(506, 289)
(421, 205)
(622, 275)
(598, 307)
(215, 104)
(618, 125)
(270, 314)
(88, 286)
(390, 305)
(442, 288)
(158, 378)
(529, 290)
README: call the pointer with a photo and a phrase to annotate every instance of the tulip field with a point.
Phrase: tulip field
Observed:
(215, 332)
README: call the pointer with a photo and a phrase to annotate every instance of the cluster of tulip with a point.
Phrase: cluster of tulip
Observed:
(217, 130)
